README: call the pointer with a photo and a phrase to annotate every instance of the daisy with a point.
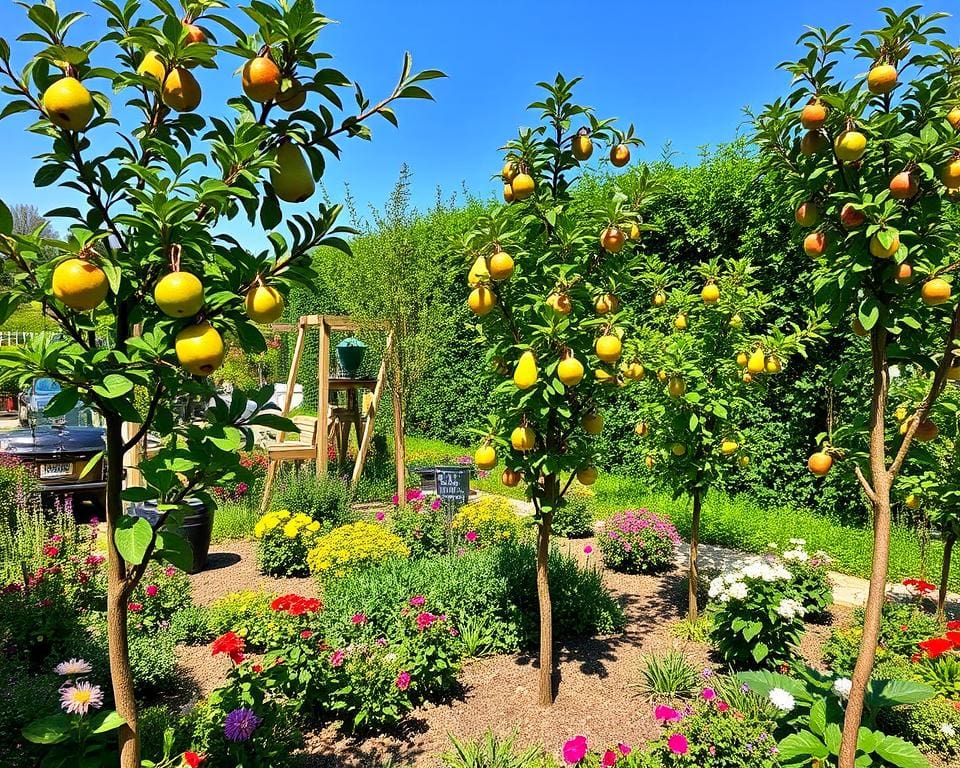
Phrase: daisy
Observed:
(78, 698)
(73, 667)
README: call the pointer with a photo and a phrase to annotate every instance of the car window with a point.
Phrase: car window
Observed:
(46, 387)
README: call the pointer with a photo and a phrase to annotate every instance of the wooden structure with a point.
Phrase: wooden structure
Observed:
(357, 414)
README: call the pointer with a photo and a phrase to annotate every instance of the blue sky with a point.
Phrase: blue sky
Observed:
(682, 72)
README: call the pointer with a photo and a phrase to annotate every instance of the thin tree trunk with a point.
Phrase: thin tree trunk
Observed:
(881, 483)
(945, 574)
(399, 434)
(693, 576)
(543, 595)
(120, 674)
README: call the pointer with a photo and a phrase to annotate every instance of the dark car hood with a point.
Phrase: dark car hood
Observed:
(49, 440)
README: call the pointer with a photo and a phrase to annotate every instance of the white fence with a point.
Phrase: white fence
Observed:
(16, 338)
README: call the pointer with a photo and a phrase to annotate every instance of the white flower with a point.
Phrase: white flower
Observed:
(948, 730)
(390, 658)
(716, 588)
(782, 700)
(798, 542)
(800, 555)
(790, 609)
(737, 590)
(80, 698)
(73, 667)
(842, 686)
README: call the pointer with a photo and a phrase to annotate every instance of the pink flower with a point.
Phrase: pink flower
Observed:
(359, 619)
(575, 750)
(381, 515)
(425, 619)
(722, 706)
(152, 590)
(337, 657)
(169, 571)
(306, 634)
(417, 600)
(708, 694)
(587, 549)
(395, 500)
(678, 744)
(135, 607)
(435, 504)
(51, 551)
(624, 749)
(403, 681)
(609, 759)
(470, 536)
(666, 714)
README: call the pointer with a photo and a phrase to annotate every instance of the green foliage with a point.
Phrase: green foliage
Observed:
(933, 725)
(234, 520)
(249, 614)
(573, 519)
(491, 751)
(638, 541)
(422, 524)
(154, 724)
(28, 318)
(191, 626)
(490, 520)
(320, 497)
(667, 675)
(21, 698)
(698, 631)
(161, 594)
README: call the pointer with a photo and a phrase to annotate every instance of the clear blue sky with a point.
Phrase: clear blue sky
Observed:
(682, 72)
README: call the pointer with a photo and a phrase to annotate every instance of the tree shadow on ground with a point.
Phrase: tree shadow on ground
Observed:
(332, 748)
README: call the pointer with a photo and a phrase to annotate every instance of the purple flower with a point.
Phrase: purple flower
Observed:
(240, 724)
(666, 714)
(381, 641)
(678, 744)
(470, 536)
(708, 694)
(417, 600)
(587, 549)
(403, 681)
(381, 515)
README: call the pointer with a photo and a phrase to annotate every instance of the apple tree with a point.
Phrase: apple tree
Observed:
(147, 285)
(871, 165)
(544, 282)
(703, 356)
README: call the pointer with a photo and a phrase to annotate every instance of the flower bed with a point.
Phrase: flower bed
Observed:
(638, 541)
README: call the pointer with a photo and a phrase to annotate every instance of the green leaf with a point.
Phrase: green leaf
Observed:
(62, 402)
(174, 549)
(94, 460)
(6, 219)
(49, 730)
(802, 744)
(114, 385)
(752, 630)
(818, 716)
(901, 753)
(47, 174)
(132, 537)
(105, 722)
(888, 693)
(759, 652)
(869, 312)
(135, 493)
(112, 271)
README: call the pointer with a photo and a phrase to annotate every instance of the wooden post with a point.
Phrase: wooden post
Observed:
(133, 477)
(400, 448)
(369, 417)
(323, 408)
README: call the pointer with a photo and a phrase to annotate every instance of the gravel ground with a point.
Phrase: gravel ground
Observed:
(595, 675)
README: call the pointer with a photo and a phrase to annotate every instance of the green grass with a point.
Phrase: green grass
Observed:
(234, 520)
(737, 522)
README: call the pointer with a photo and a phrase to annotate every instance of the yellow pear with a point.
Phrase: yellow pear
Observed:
(291, 98)
(485, 457)
(478, 272)
(757, 362)
(481, 301)
(179, 294)
(523, 439)
(68, 104)
(608, 348)
(153, 66)
(587, 475)
(264, 304)
(199, 349)
(181, 91)
(525, 374)
(80, 284)
(728, 447)
(570, 371)
(592, 423)
(291, 179)
(677, 387)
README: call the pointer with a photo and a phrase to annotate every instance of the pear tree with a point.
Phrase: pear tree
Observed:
(147, 285)
(544, 282)
(871, 165)
(703, 358)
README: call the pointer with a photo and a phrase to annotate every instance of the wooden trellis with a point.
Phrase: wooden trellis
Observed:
(338, 421)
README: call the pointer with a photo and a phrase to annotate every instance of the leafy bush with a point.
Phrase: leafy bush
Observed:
(22, 696)
(161, 593)
(191, 626)
(810, 584)
(638, 541)
(488, 520)
(933, 725)
(573, 519)
(667, 675)
(320, 497)
(249, 615)
(153, 659)
(153, 725)
(756, 622)
(283, 541)
(351, 547)
(234, 520)
(256, 462)
(421, 523)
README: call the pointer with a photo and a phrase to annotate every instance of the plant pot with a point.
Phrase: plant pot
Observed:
(350, 354)
(196, 529)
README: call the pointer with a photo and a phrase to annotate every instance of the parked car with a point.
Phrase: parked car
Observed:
(57, 454)
(34, 399)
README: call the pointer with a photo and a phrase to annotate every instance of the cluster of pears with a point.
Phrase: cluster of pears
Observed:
(498, 267)
(756, 363)
(614, 236)
(582, 146)
(518, 184)
(927, 430)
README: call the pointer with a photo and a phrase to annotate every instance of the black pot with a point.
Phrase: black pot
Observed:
(196, 529)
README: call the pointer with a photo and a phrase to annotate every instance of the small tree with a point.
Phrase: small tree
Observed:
(544, 280)
(872, 168)
(144, 286)
(704, 343)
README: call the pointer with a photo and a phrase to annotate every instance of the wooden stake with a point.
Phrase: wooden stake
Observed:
(323, 408)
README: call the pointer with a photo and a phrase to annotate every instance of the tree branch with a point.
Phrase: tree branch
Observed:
(867, 489)
(148, 419)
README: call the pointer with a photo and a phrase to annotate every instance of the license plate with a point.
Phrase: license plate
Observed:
(55, 470)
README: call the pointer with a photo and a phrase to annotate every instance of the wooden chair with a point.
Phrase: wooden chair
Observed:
(303, 448)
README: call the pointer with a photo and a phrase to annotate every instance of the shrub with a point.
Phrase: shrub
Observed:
(153, 725)
(283, 541)
(254, 461)
(22, 696)
(191, 626)
(249, 614)
(320, 497)
(638, 541)
(234, 520)
(488, 520)
(153, 661)
(933, 725)
(667, 675)
(421, 523)
(353, 546)
(492, 751)
(756, 622)
(161, 593)
(810, 584)
(573, 519)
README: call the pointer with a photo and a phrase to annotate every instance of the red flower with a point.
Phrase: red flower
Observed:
(306, 634)
(296, 605)
(904, 627)
(953, 625)
(609, 759)
(51, 551)
(135, 607)
(936, 646)
(919, 585)
(915, 658)
(954, 637)
(192, 759)
(258, 668)
(231, 644)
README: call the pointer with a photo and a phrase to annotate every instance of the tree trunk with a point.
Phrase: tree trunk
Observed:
(120, 673)
(880, 502)
(945, 574)
(543, 595)
(399, 435)
(693, 576)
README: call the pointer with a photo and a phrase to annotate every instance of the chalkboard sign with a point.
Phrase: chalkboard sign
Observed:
(453, 486)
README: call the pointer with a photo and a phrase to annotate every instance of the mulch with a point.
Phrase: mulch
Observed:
(594, 687)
